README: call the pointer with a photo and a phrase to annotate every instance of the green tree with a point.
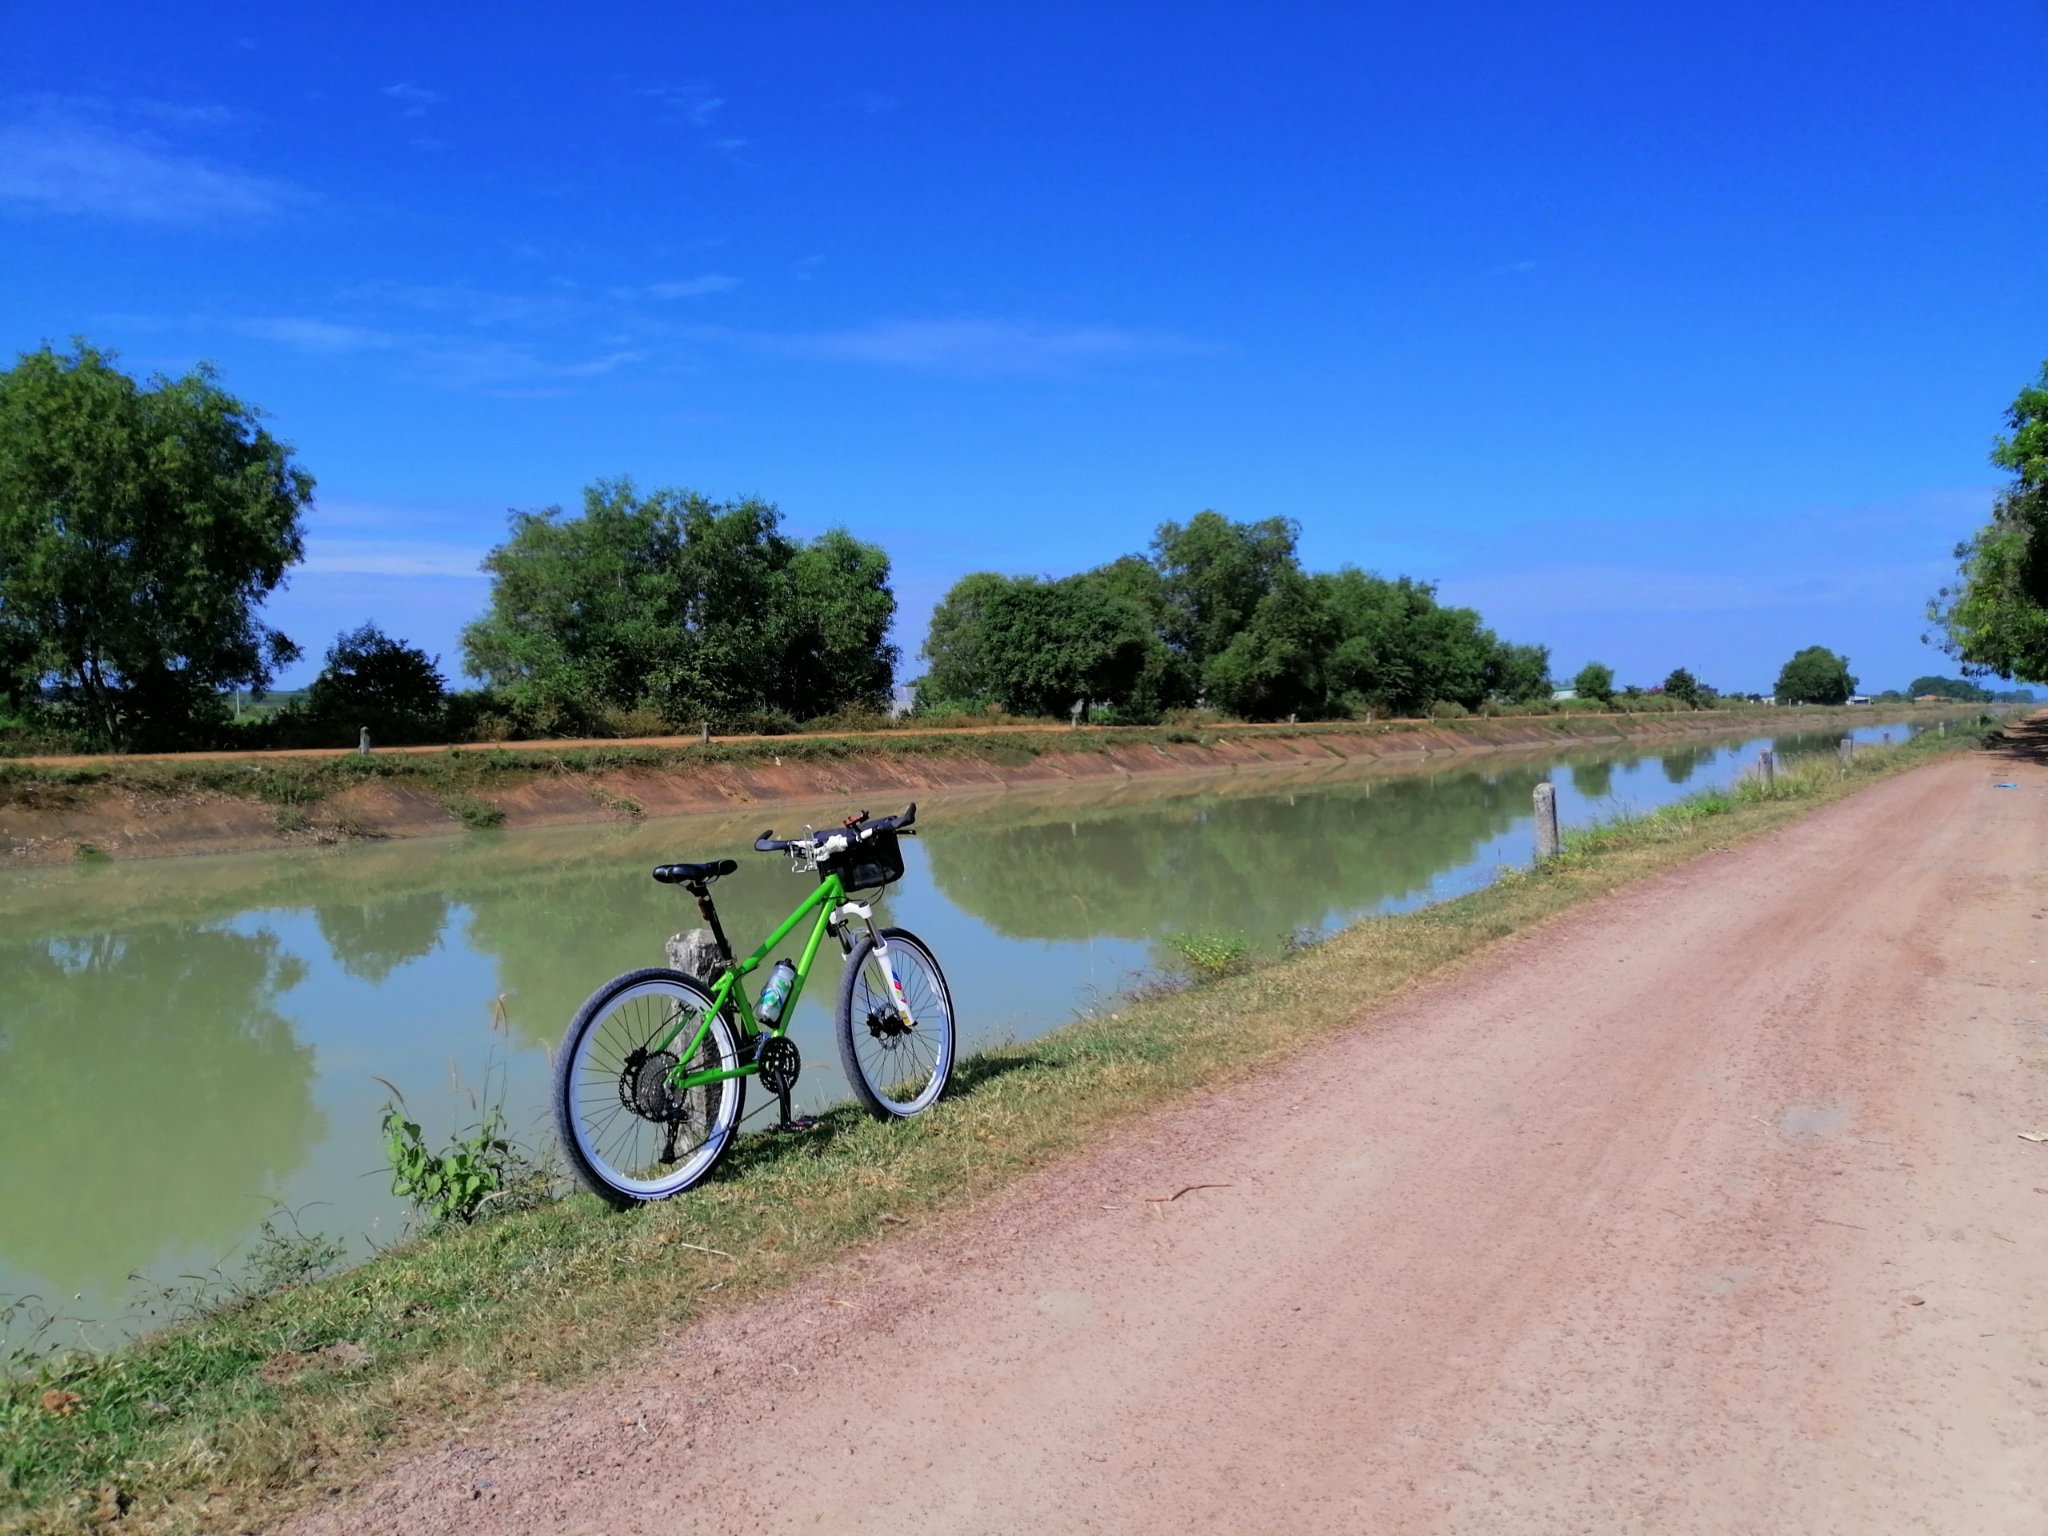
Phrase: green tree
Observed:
(834, 614)
(1398, 651)
(1036, 647)
(1519, 674)
(1214, 573)
(141, 527)
(1274, 665)
(1994, 617)
(1682, 686)
(688, 607)
(1815, 675)
(371, 680)
(1595, 680)
(1956, 688)
(958, 674)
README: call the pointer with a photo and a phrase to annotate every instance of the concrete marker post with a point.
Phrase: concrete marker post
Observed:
(1767, 768)
(363, 742)
(1847, 751)
(1547, 842)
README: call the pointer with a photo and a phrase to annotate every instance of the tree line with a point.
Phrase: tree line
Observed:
(1219, 614)
(143, 525)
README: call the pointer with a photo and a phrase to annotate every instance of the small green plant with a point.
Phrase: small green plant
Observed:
(90, 856)
(477, 815)
(291, 819)
(618, 805)
(281, 1259)
(1210, 955)
(449, 1187)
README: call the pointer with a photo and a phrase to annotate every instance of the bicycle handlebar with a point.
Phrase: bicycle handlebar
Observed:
(862, 828)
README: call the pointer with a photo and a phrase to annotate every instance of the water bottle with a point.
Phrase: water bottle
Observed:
(776, 993)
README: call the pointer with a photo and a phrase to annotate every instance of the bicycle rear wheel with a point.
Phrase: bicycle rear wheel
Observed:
(628, 1136)
(894, 1069)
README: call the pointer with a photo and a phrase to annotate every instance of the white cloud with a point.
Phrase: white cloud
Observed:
(979, 346)
(415, 99)
(322, 336)
(66, 160)
(504, 366)
(693, 287)
(692, 102)
(390, 557)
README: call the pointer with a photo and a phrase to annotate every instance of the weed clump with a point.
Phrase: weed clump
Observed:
(477, 815)
(1211, 955)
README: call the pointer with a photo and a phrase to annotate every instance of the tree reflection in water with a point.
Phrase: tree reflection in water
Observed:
(1262, 865)
(146, 1075)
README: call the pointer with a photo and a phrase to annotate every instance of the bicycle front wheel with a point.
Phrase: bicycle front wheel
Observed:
(895, 1068)
(627, 1134)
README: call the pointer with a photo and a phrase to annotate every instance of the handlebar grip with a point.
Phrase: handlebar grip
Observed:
(767, 843)
(909, 815)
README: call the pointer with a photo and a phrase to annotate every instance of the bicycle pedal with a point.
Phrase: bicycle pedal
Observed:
(798, 1125)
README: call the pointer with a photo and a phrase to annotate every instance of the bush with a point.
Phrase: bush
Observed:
(638, 721)
(477, 815)
(1211, 955)
(1448, 709)
(451, 1186)
(40, 732)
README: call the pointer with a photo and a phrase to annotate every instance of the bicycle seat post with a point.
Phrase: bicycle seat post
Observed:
(709, 912)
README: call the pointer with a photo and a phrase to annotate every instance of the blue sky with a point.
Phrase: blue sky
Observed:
(1667, 335)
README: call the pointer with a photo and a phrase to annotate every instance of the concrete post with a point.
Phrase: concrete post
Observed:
(1547, 843)
(363, 742)
(704, 736)
(1767, 768)
(1847, 750)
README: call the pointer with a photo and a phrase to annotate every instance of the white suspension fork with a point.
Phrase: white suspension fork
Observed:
(861, 911)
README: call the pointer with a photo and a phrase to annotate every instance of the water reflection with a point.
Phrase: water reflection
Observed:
(1681, 765)
(371, 938)
(148, 1080)
(1263, 865)
(1593, 781)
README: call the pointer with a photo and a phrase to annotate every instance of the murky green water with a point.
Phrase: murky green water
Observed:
(188, 1046)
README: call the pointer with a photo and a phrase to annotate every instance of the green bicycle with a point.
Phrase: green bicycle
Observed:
(650, 1082)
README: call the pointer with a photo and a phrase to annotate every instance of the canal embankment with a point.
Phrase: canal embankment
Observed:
(57, 811)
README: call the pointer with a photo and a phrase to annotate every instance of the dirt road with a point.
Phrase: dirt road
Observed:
(1702, 1210)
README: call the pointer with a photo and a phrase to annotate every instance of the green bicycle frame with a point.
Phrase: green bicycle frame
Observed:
(829, 895)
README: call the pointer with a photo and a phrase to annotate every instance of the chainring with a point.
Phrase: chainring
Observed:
(644, 1087)
(780, 1062)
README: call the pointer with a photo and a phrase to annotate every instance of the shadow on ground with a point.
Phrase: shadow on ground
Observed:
(2023, 741)
(755, 1152)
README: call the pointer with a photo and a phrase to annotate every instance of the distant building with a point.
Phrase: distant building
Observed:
(1858, 698)
(1560, 695)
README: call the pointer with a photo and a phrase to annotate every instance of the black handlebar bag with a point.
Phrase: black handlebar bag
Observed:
(865, 864)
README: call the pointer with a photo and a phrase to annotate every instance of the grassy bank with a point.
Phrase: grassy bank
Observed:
(112, 807)
(234, 1417)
